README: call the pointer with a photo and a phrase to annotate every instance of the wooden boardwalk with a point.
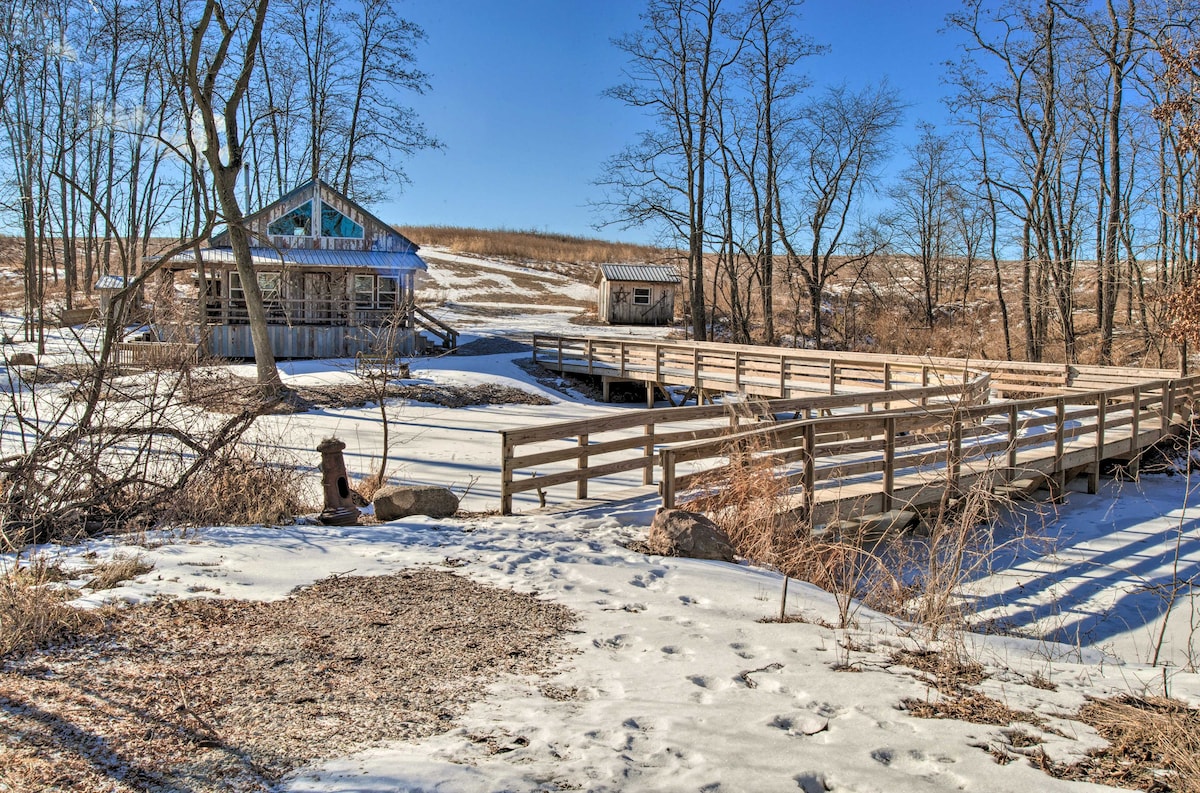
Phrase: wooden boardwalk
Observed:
(849, 434)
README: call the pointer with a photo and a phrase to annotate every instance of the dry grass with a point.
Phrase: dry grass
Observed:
(33, 612)
(241, 486)
(116, 571)
(1154, 744)
(530, 245)
(971, 706)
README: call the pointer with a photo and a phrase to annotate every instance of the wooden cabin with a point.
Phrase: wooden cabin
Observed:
(637, 294)
(336, 281)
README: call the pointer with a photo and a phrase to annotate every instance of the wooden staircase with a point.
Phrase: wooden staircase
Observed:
(444, 336)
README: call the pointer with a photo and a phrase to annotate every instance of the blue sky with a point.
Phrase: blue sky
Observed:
(517, 98)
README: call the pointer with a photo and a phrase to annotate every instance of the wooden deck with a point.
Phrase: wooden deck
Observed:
(850, 434)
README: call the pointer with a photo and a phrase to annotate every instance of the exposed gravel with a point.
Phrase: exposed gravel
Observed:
(207, 695)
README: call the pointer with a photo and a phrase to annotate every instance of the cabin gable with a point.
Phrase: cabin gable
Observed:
(315, 216)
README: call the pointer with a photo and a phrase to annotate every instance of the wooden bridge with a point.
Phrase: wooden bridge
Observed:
(849, 434)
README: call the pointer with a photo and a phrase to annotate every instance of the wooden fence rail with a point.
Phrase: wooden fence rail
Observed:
(523, 451)
(906, 427)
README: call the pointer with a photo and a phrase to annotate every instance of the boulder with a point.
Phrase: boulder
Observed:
(22, 359)
(676, 532)
(400, 501)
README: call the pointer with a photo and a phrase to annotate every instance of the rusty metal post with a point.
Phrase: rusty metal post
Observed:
(339, 509)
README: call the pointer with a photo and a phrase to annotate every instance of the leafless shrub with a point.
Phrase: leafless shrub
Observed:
(33, 613)
(240, 485)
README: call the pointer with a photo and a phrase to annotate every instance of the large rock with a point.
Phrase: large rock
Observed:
(676, 532)
(400, 501)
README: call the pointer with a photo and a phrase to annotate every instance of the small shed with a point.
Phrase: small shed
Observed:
(106, 287)
(637, 294)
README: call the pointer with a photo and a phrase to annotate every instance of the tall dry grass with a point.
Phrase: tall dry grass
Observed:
(33, 611)
(533, 245)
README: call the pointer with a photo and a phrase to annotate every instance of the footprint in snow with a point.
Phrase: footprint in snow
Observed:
(800, 724)
(615, 643)
(649, 579)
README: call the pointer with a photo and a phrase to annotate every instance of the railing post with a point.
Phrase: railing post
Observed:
(810, 471)
(924, 383)
(696, 373)
(832, 377)
(648, 453)
(621, 369)
(560, 357)
(667, 460)
(1059, 477)
(581, 487)
(1134, 441)
(889, 462)
(887, 382)
(506, 473)
(1101, 420)
(955, 454)
(590, 356)
(1013, 432)
(737, 370)
(658, 363)
(783, 392)
(1168, 392)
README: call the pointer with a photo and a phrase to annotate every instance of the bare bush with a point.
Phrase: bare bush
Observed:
(241, 486)
(33, 612)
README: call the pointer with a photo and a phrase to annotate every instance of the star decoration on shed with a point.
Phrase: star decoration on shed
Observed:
(619, 295)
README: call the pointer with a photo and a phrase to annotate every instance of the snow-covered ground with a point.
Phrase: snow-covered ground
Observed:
(677, 683)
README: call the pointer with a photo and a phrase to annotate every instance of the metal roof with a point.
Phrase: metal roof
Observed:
(111, 282)
(657, 273)
(308, 257)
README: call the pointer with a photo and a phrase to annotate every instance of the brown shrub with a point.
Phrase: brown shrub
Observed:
(33, 613)
(242, 487)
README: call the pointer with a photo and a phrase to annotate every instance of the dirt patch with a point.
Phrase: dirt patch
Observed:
(207, 695)
(224, 392)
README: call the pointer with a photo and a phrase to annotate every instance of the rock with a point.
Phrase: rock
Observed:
(676, 532)
(400, 501)
(22, 359)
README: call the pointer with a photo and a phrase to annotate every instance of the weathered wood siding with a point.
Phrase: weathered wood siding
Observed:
(616, 303)
(309, 341)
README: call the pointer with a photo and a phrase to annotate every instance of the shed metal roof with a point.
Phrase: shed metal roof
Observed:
(111, 282)
(308, 257)
(656, 273)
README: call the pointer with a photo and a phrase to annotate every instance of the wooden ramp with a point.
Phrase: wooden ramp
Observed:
(850, 435)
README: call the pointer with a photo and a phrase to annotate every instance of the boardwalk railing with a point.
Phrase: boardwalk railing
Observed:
(533, 457)
(873, 463)
(906, 427)
(776, 372)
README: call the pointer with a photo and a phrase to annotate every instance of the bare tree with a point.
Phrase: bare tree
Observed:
(676, 64)
(835, 155)
(218, 97)
(925, 204)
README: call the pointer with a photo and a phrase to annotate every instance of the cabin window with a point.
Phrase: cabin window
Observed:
(641, 296)
(364, 291)
(335, 224)
(297, 223)
(268, 285)
(388, 289)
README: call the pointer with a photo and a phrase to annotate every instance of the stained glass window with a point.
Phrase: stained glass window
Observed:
(298, 222)
(335, 224)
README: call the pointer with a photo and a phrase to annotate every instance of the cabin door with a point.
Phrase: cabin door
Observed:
(318, 298)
